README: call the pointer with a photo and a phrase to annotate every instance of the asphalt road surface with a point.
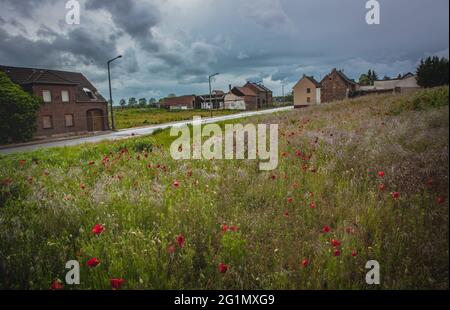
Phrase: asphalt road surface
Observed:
(132, 132)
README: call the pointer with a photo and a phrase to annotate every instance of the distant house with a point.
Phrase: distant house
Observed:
(403, 83)
(306, 92)
(72, 105)
(337, 86)
(241, 98)
(180, 103)
(264, 96)
(217, 98)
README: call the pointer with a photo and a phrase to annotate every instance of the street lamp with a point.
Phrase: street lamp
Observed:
(210, 92)
(110, 92)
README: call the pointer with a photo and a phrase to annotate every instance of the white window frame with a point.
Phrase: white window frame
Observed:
(47, 96)
(62, 96)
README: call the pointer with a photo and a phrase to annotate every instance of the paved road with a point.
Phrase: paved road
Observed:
(132, 132)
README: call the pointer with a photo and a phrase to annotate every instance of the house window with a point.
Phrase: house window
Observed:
(47, 96)
(65, 96)
(68, 120)
(308, 90)
(47, 122)
(308, 99)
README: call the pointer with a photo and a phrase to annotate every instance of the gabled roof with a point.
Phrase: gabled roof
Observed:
(342, 75)
(259, 87)
(244, 91)
(311, 79)
(27, 76)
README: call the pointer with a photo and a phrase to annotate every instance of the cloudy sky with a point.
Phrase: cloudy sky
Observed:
(171, 46)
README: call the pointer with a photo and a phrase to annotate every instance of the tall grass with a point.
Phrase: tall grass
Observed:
(330, 157)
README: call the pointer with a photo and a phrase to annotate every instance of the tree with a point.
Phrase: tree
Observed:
(142, 102)
(364, 80)
(171, 96)
(18, 112)
(432, 72)
(152, 102)
(123, 103)
(385, 78)
(132, 102)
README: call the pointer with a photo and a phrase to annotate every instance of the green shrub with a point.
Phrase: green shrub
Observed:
(423, 100)
(17, 112)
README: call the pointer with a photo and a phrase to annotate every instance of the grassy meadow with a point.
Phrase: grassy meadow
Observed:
(137, 117)
(358, 180)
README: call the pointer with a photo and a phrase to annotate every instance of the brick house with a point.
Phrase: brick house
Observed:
(241, 98)
(306, 92)
(72, 105)
(337, 86)
(180, 103)
(264, 96)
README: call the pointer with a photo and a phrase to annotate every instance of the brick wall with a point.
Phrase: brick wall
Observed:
(334, 87)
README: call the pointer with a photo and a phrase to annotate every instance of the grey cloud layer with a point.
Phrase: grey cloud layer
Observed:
(172, 45)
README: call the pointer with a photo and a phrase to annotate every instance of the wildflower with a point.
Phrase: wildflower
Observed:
(312, 205)
(180, 240)
(82, 186)
(46, 172)
(98, 229)
(286, 213)
(305, 263)
(335, 243)
(234, 228)
(290, 199)
(116, 283)
(57, 285)
(30, 179)
(273, 177)
(440, 200)
(326, 229)
(22, 162)
(93, 262)
(176, 184)
(189, 173)
(395, 195)
(382, 187)
(223, 267)
(354, 253)
(336, 252)
(91, 163)
(381, 174)
(350, 230)
(224, 227)
(171, 249)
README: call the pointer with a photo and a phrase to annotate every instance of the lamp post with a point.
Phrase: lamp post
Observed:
(210, 92)
(113, 127)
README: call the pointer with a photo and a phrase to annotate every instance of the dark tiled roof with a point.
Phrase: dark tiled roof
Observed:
(342, 75)
(313, 80)
(260, 87)
(245, 91)
(24, 76)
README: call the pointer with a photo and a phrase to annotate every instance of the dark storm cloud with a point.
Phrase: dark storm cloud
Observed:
(78, 43)
(136, 18)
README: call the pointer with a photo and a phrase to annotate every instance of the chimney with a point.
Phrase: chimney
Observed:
(229, 87)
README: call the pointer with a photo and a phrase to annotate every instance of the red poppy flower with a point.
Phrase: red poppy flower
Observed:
(180, 240)
(171, 249)
(286, 213)
(335, 243)
(223, 267)
(395, 195)
(273, 177)
(176, 184)
(326, 229)
(349, 230)
(382, 187)
(440, 200)
(312, 205)
(22, 162)
(336, 252)
(82, 186)
(224, 227)
(189, 173)
(93, 262)
(354, 253)
(234, 228)
(98, 229)
(116, 283)
(305, 263)
(56, 285)
(290, 199)
(381, 174)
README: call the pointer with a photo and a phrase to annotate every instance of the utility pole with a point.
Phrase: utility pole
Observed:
(210, 92)
(284, 98)
(113, 127)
